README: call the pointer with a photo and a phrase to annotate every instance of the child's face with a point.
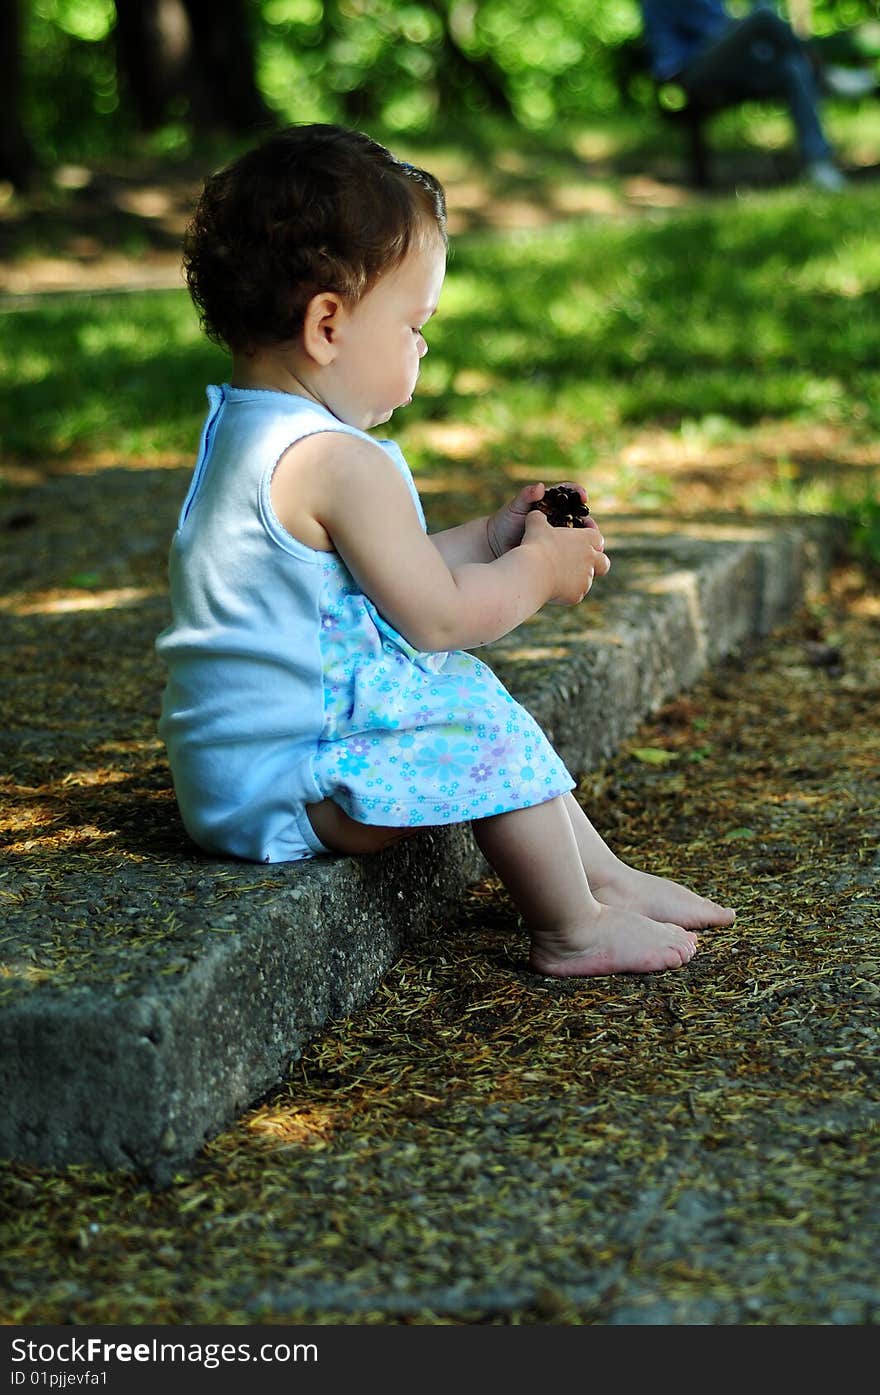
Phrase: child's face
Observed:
(379, 342)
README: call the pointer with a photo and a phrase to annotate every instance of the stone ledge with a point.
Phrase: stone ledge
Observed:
(137, 1071)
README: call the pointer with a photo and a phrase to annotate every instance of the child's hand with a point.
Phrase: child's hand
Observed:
(576, 556)
(505, 528)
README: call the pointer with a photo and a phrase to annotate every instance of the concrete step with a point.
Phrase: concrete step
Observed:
(200, 981)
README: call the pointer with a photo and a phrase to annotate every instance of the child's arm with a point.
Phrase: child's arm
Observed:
(485, 539)
(350, 492)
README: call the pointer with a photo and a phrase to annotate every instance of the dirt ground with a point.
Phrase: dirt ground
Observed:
(478, 1145)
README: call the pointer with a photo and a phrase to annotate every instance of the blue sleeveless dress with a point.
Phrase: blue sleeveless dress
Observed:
(287, 686)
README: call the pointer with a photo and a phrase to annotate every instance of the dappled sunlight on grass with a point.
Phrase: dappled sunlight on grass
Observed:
(678, 361)
(109, 375)
(52, 603)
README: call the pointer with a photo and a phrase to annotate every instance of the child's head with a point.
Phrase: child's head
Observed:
(313, 208)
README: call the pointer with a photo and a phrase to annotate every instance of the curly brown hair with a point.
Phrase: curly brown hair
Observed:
(312, 208)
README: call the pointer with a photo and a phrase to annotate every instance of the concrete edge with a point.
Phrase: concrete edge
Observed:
(140, 1082)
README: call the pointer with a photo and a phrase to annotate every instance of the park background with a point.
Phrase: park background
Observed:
(678, 350)
(543, 128)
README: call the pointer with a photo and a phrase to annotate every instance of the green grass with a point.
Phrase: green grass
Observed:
(103, 372)
(552, 346)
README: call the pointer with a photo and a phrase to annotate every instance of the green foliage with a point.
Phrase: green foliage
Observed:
(408, 65)
(402, 67)
(864, 517)
(72, 106)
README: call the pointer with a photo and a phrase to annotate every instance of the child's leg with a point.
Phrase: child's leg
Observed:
(343, 834)
(535, 853)
(616, 884)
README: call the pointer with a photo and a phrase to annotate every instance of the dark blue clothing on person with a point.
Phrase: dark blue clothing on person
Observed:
(676, 30)
(719, 60)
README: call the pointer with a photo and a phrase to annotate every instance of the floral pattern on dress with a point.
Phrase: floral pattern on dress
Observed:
(413, 738)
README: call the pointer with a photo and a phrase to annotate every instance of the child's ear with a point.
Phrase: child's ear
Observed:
(321, 325)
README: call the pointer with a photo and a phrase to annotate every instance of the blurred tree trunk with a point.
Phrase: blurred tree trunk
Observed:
(199, 50)
(153, 51)
(462, 69)
(224, 85)
(17, 159)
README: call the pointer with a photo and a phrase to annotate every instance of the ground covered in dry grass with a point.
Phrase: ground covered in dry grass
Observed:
(481, 1145)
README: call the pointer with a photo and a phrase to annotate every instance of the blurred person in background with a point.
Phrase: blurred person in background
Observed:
(718, 59)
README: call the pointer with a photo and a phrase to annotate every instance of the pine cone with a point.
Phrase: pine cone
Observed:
(563, 506)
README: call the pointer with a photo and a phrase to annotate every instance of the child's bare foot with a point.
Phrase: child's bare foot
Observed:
(616, 942)
(661, 899)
